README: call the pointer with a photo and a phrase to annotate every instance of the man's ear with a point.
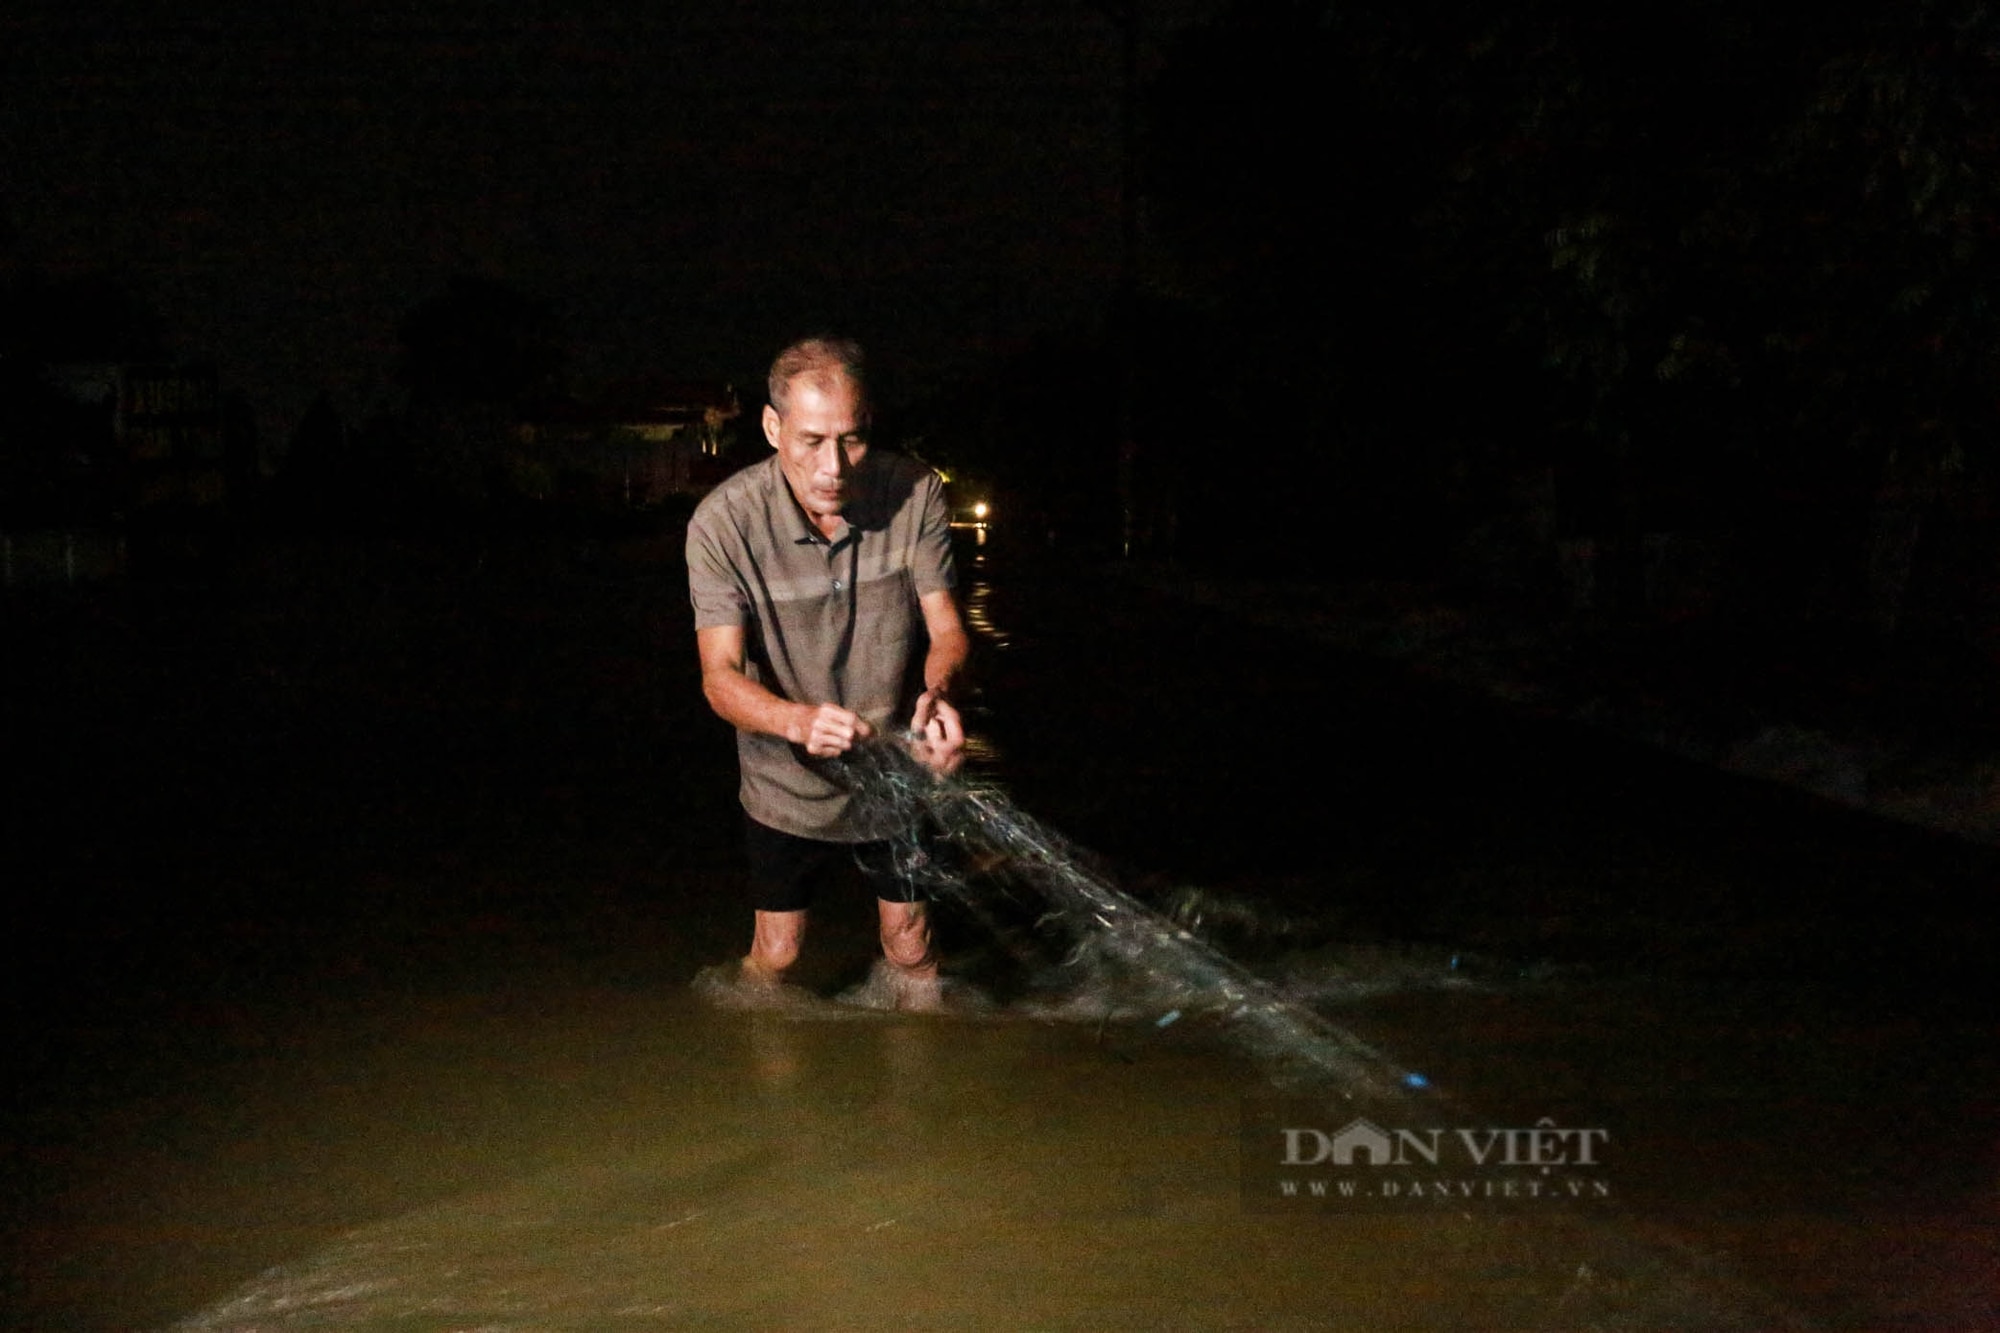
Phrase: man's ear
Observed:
(771, 424)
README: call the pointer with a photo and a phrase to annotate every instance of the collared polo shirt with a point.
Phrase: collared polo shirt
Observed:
(825, 621)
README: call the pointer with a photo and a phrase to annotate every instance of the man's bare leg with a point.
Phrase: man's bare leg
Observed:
(906, 947)
(774, 946)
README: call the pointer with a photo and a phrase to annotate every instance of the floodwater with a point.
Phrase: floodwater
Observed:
(372, 888)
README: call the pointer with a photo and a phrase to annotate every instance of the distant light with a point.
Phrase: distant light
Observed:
(979, 510)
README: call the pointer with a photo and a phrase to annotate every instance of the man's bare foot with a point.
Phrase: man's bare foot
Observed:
(898, 988)
(744, 985)
(917, 994)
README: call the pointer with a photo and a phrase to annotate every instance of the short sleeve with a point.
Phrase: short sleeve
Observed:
(931, 566)
(714, 586)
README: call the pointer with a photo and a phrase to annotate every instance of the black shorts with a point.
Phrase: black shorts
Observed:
(786, 871)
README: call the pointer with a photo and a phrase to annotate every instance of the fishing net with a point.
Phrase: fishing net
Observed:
(966, 842)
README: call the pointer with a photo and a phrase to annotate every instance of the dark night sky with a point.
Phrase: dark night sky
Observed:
(690, 186)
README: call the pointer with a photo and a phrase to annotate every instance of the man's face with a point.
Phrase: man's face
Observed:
(821, 440)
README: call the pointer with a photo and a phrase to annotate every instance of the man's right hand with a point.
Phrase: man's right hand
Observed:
(824, 730)
(828, 730)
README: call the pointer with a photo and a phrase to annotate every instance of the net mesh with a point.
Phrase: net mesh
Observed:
(966, 841)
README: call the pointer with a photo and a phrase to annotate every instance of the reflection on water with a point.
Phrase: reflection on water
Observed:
(978, 608)
(980, 749)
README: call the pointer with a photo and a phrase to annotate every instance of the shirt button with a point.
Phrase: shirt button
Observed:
(836, 585)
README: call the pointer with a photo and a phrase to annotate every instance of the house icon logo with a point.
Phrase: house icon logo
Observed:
(1365, 1138)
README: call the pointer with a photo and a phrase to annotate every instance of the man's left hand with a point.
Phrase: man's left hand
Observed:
(940, 735)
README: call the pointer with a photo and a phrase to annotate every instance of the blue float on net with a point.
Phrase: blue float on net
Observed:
(1416, 1081)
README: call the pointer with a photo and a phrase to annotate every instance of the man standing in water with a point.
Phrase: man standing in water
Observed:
(822, 585)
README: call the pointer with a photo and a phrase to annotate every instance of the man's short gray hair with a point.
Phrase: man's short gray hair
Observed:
(820, 360)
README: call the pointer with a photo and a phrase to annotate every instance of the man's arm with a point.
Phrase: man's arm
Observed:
(823, 729)
(937, 722)
(950, 645)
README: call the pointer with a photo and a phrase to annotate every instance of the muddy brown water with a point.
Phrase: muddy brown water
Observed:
(367, 890)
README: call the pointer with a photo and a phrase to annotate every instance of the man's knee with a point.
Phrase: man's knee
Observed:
(906, 937)
(775, 946)
(770, 956)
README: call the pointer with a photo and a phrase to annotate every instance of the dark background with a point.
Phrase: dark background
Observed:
(687, 183)
(1685, 312)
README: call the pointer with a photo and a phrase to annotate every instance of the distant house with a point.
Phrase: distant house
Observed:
(96, 450)
(169, 428)
(640, 442)
(162, 440)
